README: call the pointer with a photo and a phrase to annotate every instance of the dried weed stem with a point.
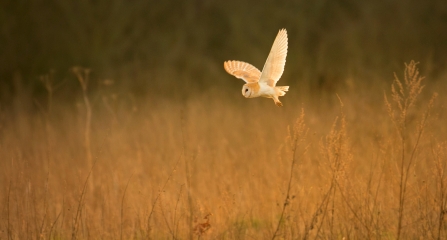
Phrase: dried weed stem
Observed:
(296, 137)
(404, 96)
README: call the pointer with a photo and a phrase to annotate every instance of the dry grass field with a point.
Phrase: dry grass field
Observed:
(365, 162)
(156, 141)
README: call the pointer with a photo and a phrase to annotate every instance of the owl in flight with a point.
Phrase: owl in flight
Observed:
(263, 84)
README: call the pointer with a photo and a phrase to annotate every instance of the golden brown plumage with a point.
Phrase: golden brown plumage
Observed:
(263, 84)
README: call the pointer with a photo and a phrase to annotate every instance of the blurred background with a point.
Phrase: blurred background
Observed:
(100, 95)
(160, 46)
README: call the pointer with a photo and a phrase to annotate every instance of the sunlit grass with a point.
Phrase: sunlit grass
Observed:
(215, 165)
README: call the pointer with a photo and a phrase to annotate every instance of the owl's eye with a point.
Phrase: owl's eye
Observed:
(246, 90)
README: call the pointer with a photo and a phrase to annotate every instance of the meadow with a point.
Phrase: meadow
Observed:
(364, 162)
(149, 137)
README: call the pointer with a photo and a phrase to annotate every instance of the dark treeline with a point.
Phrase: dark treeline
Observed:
(172, 42)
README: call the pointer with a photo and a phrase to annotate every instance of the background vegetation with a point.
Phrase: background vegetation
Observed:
(151, 44)
(117, 120)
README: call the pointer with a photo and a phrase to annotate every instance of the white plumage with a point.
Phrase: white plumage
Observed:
(263, 84)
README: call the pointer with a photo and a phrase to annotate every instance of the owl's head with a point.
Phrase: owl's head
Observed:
(246, 91)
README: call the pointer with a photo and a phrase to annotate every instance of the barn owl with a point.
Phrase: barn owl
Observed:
(263, 84)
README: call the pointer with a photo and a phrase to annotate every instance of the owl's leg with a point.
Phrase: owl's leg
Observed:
(277, 102)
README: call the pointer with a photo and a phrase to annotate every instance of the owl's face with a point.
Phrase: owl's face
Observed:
(246, 91)
(251, 90)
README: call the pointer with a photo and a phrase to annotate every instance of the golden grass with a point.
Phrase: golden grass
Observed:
(217, 166)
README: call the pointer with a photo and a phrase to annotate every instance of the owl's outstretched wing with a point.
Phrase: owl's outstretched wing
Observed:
(243, 70)
(274, 66)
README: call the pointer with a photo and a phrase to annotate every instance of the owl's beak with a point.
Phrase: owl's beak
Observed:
(246, 94)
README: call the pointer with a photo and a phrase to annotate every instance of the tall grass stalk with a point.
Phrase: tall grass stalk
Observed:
(122, 207)
(187, 175)
(297, 137)
(80, 207)
(160, 191)
(83, 76)
(8, 226)
(440, 155)
(404, 96)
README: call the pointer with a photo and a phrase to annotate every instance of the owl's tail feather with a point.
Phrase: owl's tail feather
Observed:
(281, 90)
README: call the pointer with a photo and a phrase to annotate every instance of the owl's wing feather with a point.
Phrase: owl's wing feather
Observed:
(274, 66)
(243, 70)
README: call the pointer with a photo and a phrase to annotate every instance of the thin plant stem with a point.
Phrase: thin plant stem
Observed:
(122, 207)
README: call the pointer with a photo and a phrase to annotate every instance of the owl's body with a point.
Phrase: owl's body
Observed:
(263, 84)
